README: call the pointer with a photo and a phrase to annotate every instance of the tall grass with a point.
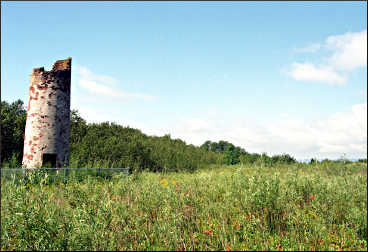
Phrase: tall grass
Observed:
(252, 207)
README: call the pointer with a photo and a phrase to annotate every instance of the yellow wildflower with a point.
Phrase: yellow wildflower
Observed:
(164, 182)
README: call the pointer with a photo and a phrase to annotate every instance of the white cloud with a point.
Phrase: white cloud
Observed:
(103, 85)
(309, 72)
(349, 52)
(344, 132)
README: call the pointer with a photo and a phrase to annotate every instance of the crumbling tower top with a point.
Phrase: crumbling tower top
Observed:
(62, 64)
(58, 65)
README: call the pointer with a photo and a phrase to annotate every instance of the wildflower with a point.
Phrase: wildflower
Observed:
(28, 185)
(278, 246)
(209, 232)
(238, 226)
(164, 182)
(173, 182)
(311, 197)
(227, 249)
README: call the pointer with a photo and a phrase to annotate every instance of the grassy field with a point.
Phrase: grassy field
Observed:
(296, 207)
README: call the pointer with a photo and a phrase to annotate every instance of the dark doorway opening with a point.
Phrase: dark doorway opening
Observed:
(48, 160)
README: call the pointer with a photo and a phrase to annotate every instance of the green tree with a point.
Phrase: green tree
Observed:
(78, 127)
(206, 146)
(13, 122)
(232, 154)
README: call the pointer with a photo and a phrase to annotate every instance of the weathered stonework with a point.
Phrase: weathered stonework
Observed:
(48, 116)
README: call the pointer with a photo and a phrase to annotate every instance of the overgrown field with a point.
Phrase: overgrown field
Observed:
(289, 207)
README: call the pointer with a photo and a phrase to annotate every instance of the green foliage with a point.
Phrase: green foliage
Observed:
(283, 159)
(238, 207)
(235, 155)
(13, 162)
(78, 127)
(13, 122)
(118, 146)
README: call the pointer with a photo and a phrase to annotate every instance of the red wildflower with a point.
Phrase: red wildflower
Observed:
(208, 232)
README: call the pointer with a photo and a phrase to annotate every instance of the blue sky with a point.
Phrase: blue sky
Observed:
(275, 77)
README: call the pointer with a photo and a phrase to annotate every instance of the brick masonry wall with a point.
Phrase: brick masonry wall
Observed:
(48, 115)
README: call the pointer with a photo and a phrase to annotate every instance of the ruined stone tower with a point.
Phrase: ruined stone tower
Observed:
(46, 140)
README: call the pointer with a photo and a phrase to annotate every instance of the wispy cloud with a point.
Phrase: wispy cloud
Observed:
(347, 53)
(98, 97)
(86, 73)
(103, 85)
(308, 49)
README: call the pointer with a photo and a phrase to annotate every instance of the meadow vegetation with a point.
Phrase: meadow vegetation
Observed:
(238, 207)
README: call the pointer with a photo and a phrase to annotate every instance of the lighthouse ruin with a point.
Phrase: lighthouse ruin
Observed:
(46, 139)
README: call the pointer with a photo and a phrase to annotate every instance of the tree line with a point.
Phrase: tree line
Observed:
(107, 144)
